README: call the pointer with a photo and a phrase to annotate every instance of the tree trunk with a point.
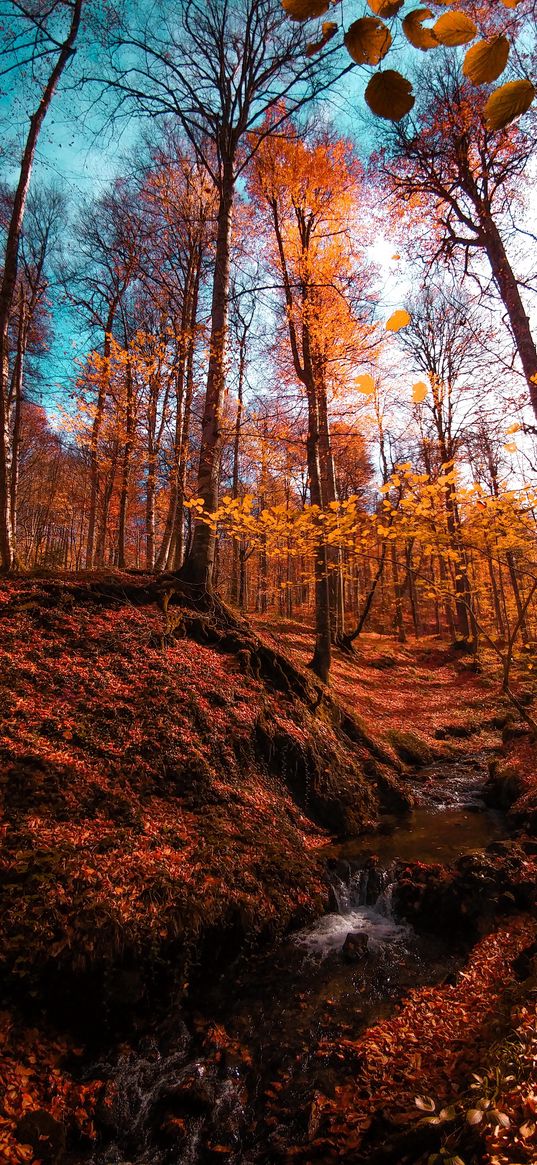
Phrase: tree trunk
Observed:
(176, 554)
(509, 291)
(151, 476)
(125, 468)
(519, 602)
(169, 552)
(108, 492)
(95, 436)
(237, 546)
(15, 401)
(329, 489)
(399, 624)
(500, 625)
(9, 279)
(322, 653)
(198, 569)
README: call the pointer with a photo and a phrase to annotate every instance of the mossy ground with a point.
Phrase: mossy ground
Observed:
(162, 806)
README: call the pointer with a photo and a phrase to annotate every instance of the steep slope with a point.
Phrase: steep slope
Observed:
(161, 799)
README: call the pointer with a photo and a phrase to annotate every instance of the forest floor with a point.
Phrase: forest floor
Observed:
(165, 809)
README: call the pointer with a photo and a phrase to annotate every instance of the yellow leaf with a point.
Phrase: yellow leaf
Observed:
(385, 8)
(486, 60)
(329, 30)
(514, 428)
(389, 95)
(365, 384)
(399, 319)
(454, 28)
(367, 40)
(507, 103)
(511, 447)
(474, 1116)
(305, 9)
(420, 37)
(419, 392)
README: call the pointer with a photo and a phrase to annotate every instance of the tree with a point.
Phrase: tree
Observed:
(442, 342)
(53, 32)
(29, 325)
(471, 177)
(216, 68)
(107, 261)
(177, 207)
(310, 190)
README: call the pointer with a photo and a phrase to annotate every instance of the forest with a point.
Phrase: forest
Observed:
(268, 582)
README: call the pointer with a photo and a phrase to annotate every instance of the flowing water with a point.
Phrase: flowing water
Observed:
(177, 1105)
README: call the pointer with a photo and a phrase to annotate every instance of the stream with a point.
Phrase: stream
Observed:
(186, 1100)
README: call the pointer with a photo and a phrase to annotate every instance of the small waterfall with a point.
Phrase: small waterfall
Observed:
(364, 905)
(373, 886)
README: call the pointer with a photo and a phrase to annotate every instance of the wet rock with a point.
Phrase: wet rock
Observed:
(393, 796)
(355, 947)
(500, 847)
(411, 748)
(192, 1096)
(333, 900)
(341, 868)
(504, 786)
(45, 1134)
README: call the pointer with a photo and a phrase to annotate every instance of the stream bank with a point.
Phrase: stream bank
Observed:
(164, 817)
(255, 1074)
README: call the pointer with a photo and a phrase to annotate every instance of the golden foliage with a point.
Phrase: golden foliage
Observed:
(507, 103)
(486, 60)
(454, 28)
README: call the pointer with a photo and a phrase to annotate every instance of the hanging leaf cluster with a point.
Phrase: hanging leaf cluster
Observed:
(389, 94)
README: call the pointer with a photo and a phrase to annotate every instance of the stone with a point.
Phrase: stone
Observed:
(333, 902)
(44, 1133)
(500, 847)
(342, 870)
(355, 947)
